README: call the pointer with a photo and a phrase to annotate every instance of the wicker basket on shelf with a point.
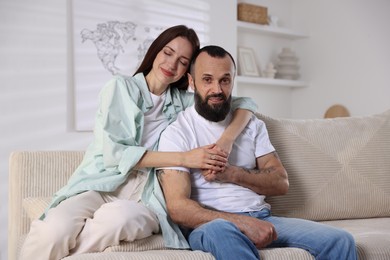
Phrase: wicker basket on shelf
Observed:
(252, 13)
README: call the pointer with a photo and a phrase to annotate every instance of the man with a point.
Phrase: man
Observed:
(225, 212)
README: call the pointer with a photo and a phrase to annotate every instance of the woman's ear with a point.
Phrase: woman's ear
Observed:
(190, 81)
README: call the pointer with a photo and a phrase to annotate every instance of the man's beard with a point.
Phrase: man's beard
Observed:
(215, 113)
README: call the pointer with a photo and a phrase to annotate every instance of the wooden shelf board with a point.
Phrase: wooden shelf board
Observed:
(271, 82)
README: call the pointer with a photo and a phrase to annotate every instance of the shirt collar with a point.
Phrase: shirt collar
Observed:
(144, 90)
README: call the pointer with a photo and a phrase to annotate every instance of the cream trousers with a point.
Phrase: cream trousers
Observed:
(87, 223)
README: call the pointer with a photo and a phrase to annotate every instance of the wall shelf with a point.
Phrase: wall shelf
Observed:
(273, 31)
(271, 82)
(267, 41)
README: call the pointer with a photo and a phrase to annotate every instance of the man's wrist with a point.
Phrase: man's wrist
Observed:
(236, 174)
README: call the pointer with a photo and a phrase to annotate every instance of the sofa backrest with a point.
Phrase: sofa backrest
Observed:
(338, 168)
(34, 175)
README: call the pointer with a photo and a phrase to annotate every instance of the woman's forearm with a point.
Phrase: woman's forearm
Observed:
(160, 159)
(204, 157)
(239, 121)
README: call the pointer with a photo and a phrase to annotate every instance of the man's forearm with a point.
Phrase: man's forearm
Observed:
(267, 181)
(260, 232)
(270, 179)
(195, 215)
(189, 213)
(183, 210)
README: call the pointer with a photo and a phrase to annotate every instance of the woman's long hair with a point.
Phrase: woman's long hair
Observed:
(161, 41)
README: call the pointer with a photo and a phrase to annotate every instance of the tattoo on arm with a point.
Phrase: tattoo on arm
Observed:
(260, 171)
(161, 172)
(263, 170)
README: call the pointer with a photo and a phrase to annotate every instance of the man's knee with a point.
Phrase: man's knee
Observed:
(338, 235)
(346, 238)
(234, 245)
(214, 229)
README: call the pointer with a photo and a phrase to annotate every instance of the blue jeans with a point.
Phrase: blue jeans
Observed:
(225, 241)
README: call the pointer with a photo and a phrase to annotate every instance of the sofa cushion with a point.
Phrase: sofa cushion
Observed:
(147, 255)
(338, 168)
(35, 206)
(269, 253)
(372, 236)
(154, 242)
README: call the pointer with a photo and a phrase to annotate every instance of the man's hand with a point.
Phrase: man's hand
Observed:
(260, 232)
(222, 176)
(269, 178)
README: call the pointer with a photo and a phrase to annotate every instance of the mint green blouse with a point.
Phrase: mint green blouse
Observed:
(116, 148)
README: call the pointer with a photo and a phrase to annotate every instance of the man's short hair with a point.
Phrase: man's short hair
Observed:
(213, 51)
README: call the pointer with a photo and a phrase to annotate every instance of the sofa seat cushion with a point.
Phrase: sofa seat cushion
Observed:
(171, 254)
(154, 242)
(338, 168)
(265, 254)
(290, 253)
(147, 255)
(34, 206)
(151, 247)
(372, 236)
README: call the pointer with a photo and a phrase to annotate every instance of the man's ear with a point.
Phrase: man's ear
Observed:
(190, 81)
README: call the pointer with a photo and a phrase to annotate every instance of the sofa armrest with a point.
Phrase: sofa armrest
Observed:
(34, 174)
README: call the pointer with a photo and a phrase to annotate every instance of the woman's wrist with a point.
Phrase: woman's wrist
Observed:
(225, 142)
(227, 138)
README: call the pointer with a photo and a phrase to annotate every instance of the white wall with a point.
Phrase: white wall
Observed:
(348, 60)
(348, 56)
(33, 76)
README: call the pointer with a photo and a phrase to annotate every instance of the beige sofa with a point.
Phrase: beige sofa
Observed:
(339, 171)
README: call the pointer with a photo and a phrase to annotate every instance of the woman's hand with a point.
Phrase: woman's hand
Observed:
(224, 144)
(211, 174)
(226, 175)
(208, 157)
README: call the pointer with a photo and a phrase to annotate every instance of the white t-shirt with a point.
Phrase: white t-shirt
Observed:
(190, 130)
(154, 123)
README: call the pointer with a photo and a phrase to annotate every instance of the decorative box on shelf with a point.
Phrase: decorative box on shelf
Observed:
(252, 13)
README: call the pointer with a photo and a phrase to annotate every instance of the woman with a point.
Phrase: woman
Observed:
(112, 196)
